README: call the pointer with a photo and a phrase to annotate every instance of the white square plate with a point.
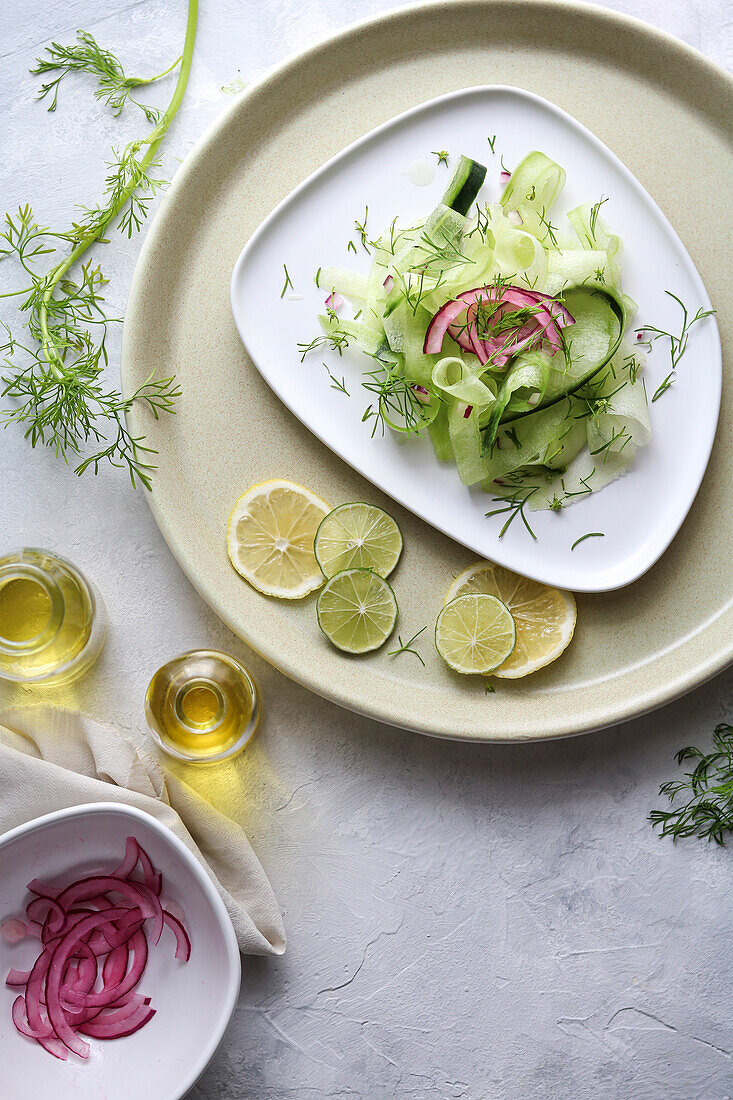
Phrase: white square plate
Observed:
(641, 512)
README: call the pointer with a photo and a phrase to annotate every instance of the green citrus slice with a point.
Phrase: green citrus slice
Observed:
(357, 610)
(475, 633)
(357, 536)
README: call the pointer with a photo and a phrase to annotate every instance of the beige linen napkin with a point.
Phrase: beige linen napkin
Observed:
(51, 759)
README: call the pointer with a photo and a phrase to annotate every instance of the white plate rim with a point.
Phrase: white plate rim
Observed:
(498, 553)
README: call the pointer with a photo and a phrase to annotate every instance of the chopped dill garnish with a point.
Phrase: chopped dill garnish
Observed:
(489, 688)
(406, 647)
(511, 433)
(550, 229)
(593, 218)
(492, 143)
(317, 276)
(335, 339)
(442, 156)
(677, 344)
(513, 505)
(289, 282)
(663, 386)
(361, 229)
(707, 812)
(335, 383)
(589, 535)
(351, 247)
(556, 504)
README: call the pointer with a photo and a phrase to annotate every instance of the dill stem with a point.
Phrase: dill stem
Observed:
(153, 142)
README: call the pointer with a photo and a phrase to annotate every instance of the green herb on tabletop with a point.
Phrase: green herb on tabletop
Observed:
(54, 374)
(647, 335)
(86, 55)
(489, 688)
(407, 647)
(492, 143)
(702, 802)
(589, 535)
(442, 156)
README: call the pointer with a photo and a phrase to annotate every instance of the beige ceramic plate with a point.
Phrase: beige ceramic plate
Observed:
(668, 114)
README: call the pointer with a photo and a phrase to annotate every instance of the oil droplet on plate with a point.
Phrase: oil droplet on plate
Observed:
(421, 173)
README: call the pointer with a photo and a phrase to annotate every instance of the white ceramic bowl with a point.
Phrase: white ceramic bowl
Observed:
(194, 1000)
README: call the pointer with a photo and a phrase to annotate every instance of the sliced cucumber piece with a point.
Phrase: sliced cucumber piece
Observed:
(589, 344)
(465, 185)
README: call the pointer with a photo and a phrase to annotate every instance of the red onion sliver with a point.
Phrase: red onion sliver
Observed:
(17, 977)
(467, 412)
(183, 943)
(119, 1030)
(127, 866)
(42, 889)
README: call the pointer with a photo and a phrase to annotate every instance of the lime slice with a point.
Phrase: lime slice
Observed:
(358, 536)
(544, 617)
(475, 633)
(270, 538)
(357, 610)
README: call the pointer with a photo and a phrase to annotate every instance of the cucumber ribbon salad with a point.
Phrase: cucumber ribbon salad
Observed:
(500, 336)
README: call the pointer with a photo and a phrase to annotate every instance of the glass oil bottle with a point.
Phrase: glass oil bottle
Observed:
(202, 706)
(52, 620)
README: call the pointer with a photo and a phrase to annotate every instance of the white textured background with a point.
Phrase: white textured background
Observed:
(463, 921)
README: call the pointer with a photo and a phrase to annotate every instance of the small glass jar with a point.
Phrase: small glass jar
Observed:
(202, 706)
(52, 620)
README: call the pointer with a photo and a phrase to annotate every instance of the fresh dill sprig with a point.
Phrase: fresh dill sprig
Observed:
(406, 647)
(337, 384)
(556, 504)
(489, 688)
(677, 344)
(511, 433)
(492, 143)
(361, 229)
(351, 247)
(334, 339)
(513, 505)
(396, 401)
(442, 156)
(663, 386)
(86, 55)
(593, 218)
(588, 535)
(707, 811)
(54, 376)
(579, 492)
(550, 229)
(289, 282)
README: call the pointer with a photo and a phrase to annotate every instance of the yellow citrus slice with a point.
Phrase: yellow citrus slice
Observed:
(357, 610)
(474, 633)
(544, 617)
(358, 536)
(270, 537)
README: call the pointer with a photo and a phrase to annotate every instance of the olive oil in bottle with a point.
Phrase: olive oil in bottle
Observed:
(202, 706)
(52, 621)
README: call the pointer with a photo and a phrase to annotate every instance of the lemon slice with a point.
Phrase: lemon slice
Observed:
(270, 537)
(357, 610)
(544, 617)
(475, 633)
(358, 536)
